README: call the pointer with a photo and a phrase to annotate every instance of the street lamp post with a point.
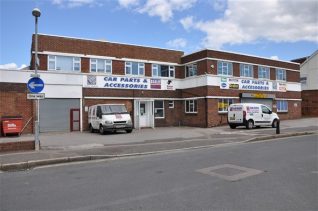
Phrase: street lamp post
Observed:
(36, 13)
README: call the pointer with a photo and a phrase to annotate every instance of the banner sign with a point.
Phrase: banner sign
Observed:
(124, 82)
(251, 84)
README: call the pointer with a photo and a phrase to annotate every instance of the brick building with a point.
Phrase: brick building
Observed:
(160, 87)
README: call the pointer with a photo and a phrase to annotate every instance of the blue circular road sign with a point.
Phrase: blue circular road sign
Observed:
(35, 85)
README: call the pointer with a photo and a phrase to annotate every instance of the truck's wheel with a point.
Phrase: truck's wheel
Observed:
(128, 131)
(274, 124)
(232, 126)
(91, 129)
(249, 124)
(101, 130)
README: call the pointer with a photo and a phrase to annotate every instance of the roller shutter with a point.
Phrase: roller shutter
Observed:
(264, 101)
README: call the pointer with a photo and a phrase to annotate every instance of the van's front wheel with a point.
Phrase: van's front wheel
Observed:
(249, 124)
(101, 130)
(274, 124)
(232, 126)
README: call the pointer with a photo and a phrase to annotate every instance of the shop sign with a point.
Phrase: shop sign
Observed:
(251, 84)
(124, 82)
(257, 95)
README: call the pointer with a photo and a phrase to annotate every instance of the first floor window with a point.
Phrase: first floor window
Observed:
(162, 70)
(159, 109)
(225, 68)
(134, 68)
(246, 70)
(101, 65)
(191, 106)
(281, 74)
(282, 105)
(223, 104)
(64, 63)
(191, 70)
(171, 104)
(263, 72)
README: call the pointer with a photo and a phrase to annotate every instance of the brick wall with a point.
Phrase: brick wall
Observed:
(17, 146)
(172, 115)
(309, 103)
(14, 102)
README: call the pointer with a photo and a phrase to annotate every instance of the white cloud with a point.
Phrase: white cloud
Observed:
(128, 3)
(177, 43)
(247, 21)
(12, 66)
(219, 5)
(274, 57)
(75, 3)
(161, 8)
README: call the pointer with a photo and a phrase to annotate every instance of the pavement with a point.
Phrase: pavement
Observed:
(77, 146)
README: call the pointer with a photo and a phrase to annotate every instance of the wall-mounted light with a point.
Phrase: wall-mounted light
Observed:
(169, 82)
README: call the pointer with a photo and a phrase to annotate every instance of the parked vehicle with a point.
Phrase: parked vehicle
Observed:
(109, 118)
(250, 115)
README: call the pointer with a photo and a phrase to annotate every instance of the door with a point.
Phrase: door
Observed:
(144, 113)
(75, 119)
(266, 115)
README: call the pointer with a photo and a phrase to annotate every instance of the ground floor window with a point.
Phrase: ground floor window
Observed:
(282, 105)
(191, 106)
(223, 104)
(171, 104)
(159, 109)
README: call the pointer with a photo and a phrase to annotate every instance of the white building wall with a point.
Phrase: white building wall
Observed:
(309, 70)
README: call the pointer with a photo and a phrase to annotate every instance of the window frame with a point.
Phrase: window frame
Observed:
(190, 68)
(140, 65)
(155, 68)
(228, 104)
(283, 74)
(278, 105)
(163, 109)
(75, 60)
(243, 70)
(262, 70)
(194, 102)
(229, 68)
(107, 62)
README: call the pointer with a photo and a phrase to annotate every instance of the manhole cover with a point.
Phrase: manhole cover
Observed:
(229, 172)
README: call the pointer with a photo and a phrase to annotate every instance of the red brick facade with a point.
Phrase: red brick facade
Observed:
(310, 103)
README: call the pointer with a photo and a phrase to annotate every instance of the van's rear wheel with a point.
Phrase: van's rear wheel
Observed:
(91, 129)
(274, 124)
(249, 124)
(128, 131)
(101, 130)
(232, 126)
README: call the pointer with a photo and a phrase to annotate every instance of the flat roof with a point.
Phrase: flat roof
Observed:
(95, 40)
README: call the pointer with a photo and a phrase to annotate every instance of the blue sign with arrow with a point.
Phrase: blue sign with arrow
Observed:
(35, 85)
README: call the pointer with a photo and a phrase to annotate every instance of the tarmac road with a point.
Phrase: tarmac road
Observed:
(286, 175)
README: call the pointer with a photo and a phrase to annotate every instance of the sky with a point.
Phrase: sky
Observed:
(277, 29)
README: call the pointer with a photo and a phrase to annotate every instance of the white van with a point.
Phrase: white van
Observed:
(250, 115)
(109, 117)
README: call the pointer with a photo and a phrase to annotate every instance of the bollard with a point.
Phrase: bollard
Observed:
(278, 127)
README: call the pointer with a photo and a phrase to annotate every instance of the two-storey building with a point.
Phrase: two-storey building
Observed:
(160, 87)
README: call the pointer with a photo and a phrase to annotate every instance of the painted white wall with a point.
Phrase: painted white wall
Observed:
(309, 69)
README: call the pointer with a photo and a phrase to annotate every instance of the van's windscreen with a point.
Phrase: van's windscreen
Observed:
(108, 109)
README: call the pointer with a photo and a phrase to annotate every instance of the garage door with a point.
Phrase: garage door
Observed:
(55, 114)
(268, 102)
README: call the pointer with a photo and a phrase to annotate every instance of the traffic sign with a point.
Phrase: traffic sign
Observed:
(35, 85)
(39, 96)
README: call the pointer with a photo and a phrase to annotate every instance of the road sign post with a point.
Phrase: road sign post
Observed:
(36, 85)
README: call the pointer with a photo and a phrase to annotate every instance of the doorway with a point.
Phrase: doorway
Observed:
(75, 119)
(144, 114)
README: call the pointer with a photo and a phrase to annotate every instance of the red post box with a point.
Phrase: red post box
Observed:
(11, 125)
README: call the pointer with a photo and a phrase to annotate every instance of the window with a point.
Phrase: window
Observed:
(191, 70)
(171, 104)
(303, 80)
(281, 74)
(159, 109)
(191, 106)
(223, 104)
(101, 65)
(246, 70)
(265, 110)
(225, 68)
(263, 72)
(134, 68)
(64, 63)
(162, 70)
(282, 105)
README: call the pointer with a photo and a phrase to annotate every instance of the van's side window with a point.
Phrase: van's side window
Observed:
(265, 110)
(99, 111)
(94, 112)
